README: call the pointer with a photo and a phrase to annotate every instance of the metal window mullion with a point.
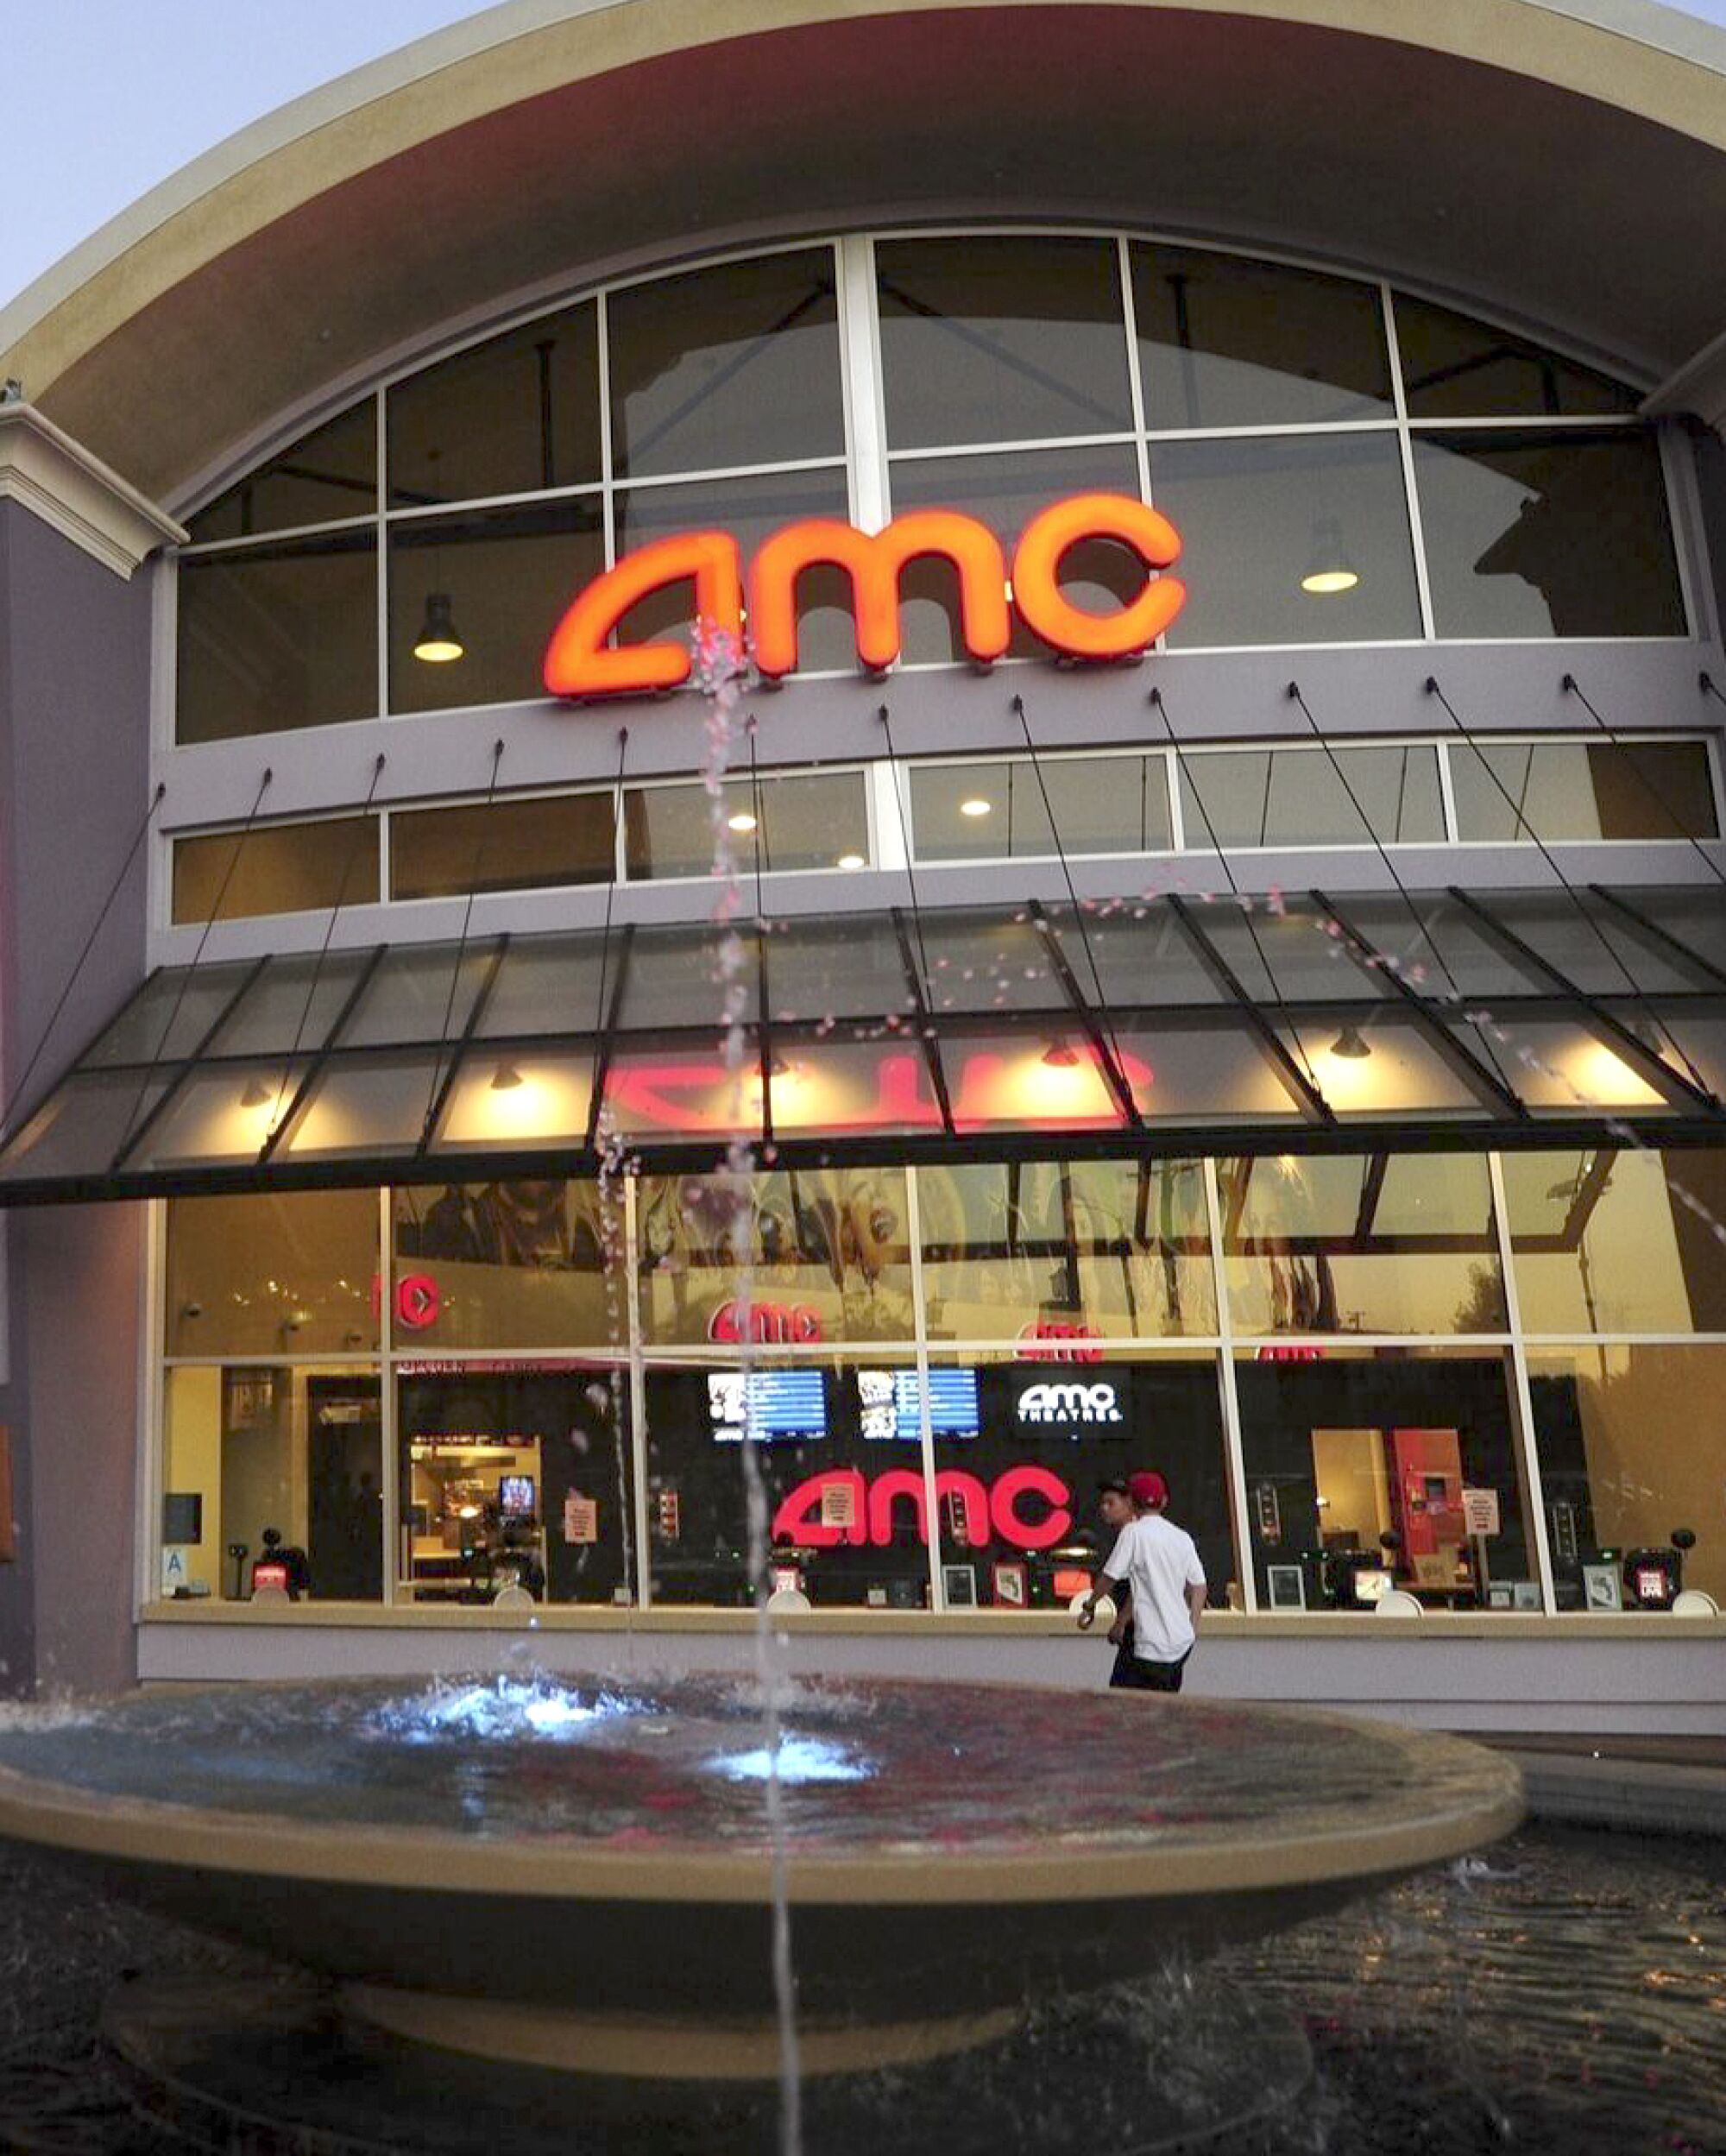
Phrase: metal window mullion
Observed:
(394, 1512)
(1447, 792)
(380, 538)
(937, 1591)
(643, 1584)
(1234, 1451)
(860, 378)
(1406, 452)
(152, 1470)
(607, 477)
(1529, 1447)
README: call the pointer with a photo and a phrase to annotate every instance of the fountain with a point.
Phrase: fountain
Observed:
(573, 1884)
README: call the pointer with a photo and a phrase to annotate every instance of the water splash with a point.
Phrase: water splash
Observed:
(508, 1710)
(796, 1760)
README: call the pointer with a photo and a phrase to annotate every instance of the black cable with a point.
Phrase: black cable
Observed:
(1656, 794)
(1709, 687)
(244, 833)
(1650, 1014)
(461, 949)
(17, 1092)
(1159, 703)
(329, 932)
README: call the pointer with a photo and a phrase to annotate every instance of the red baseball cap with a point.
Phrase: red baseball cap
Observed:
(1148, 1489)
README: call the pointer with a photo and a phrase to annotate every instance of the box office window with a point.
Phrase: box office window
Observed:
(501, 846)
(512, 1264)
(826, 1249)
(277, 1274)
(327, 476)
(278, 637)
(276, 869)
(1538, 535)
(1061, 1254)
(1355, 1462)
(1021, 1445)
(1632, 1441)
(1313, 797)
(1098, 805)
(514, 1476)
(288, 1451)
(1605, 1240)
(1582, 790)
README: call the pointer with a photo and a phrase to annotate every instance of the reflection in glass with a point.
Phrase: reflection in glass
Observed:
(827, 1253)
(1398, 1243)
(997, 339)
(787, 821)
(514, 415)
(1054, 1252)
(272, 1274)
(1456, 368)
(1582, 790)
(726, 367)
(501, 846)
(1312, 796)
(505, 1265)
(1259, 516)
(278, 637)
(1100, 804)
(1355, 1462)
(1005, 492)
(325, 478)
(507, 575)
(277, 868)
(1615, 1480)
(1542, 535)
(250, 1448)
(1226, 341)
(1608, 1241)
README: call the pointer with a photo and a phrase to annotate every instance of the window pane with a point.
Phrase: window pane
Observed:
(169, 1015)
(295, 1452)
(1223, 342)
(503, 1264)
(1548, 535)
(1355, 1464)
(272, 1275)
(1001, 340)
(808, 1414)
(1383, 1065)
(749, 509)
(416, 995)
(1456, 368)
(1341, 1244)
(1051, 1252)
(1018, 1497)
(1102, 804)
(326, 475)
(826, 966)
(1618, 1242)
(1301, 797)
(549, 984)
(1262, 520)
(1559, 1067)
(278, 637)
(828, 1250)
(80, 1126)
(673, 980)
(735, 365)
(515, 1477)
(1214, 1073)
(809, 821)
(872, 1083)
(1576, 790)
(511, 416)
(279, 869)
(292, 1003)
(222, 1116)
(1005, 492)
(366, 1104)
(517, 1099)
(1616, 1477)
(1044, 1077)
(510, 846)
(505, 576)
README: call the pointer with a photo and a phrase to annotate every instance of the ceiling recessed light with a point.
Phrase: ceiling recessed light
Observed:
(850, 860)
(741, 822)
(975, 806)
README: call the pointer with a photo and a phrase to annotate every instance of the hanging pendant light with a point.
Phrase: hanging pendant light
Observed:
(1061, 1055)
(506, 1078)
(257, 1094)
(1350, 1046)
(440, 641)
(1329, 572)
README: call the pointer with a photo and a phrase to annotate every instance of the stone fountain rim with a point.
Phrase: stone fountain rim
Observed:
(146, 1831)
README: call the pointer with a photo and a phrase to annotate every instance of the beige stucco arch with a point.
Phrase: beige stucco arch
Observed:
(1565, 164)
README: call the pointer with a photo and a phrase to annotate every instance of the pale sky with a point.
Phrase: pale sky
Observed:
(107, 97)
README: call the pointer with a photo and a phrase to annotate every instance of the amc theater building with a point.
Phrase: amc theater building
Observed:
(1226, 508)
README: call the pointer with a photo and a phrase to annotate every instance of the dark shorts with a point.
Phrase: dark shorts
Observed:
(1130, 1674)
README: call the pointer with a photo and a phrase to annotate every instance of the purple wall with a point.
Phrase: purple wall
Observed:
(75, 743)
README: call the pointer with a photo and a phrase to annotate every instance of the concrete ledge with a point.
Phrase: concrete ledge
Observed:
(1637, 1795)
(45, 472)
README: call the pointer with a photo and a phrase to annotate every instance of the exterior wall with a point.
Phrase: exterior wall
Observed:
(74, 673)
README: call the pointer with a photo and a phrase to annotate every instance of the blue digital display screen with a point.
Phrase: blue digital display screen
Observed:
(891, 1406)
(788, 1405)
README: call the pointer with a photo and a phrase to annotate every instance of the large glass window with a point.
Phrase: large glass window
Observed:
(1582, 790)
(815, 820)
(1313, 797)
(507, 1265)
(1100, 804)
(503, 846)
(1618, 1241)
(272, 1275)
(278, 636)
(276, 869)
(1455, 368)
(325, 477)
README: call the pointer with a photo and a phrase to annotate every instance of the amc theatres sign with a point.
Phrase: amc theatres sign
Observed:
(581, 660)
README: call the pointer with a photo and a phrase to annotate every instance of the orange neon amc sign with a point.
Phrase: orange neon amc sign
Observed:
(581, 661)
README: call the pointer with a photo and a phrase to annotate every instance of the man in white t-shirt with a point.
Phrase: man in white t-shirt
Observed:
(1159, 1562)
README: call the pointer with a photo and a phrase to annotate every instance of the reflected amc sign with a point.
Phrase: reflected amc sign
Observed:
(581, 661)
(1029, 1508)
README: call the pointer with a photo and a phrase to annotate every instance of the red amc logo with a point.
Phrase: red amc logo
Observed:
(581, 660)
(1060, 1340)
(1029, 1508)
(785, 1324)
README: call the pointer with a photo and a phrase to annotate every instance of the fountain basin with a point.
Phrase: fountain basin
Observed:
(600, 1855)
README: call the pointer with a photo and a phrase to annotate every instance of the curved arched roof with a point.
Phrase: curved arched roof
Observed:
(1563, 164)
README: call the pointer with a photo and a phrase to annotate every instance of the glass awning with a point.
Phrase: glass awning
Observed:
(1333, 1023)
